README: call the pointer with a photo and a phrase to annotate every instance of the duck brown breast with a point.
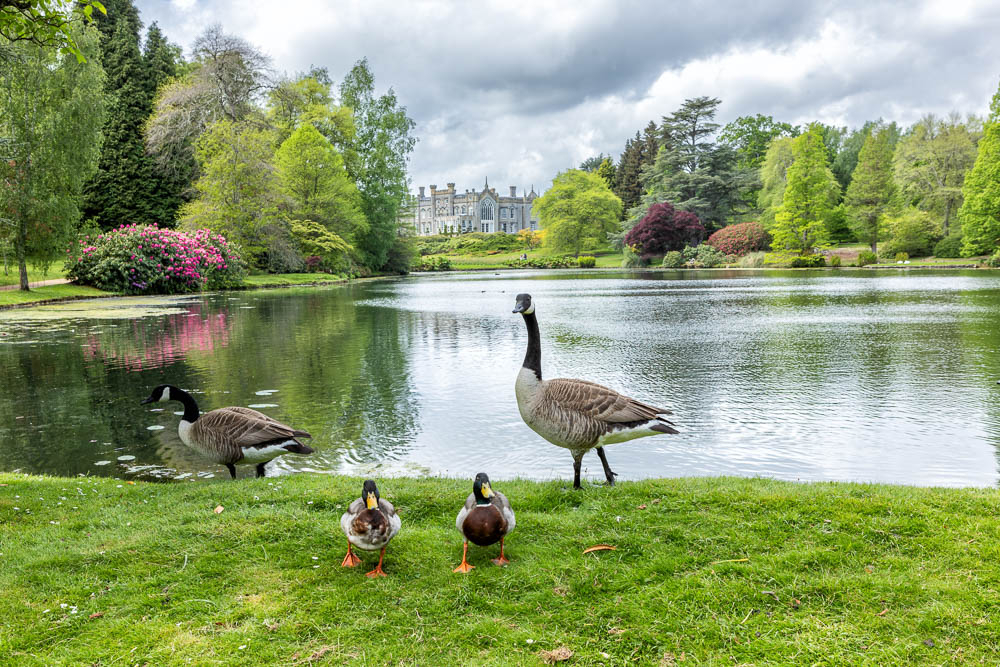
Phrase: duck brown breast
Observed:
(484, 525)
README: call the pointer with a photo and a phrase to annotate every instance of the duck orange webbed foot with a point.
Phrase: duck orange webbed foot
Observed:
(378, 571)
(350, 560)
(501, 561)
(465, 568)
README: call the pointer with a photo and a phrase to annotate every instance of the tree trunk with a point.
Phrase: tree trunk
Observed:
(947, 215)
(875, 246)
(21, 240)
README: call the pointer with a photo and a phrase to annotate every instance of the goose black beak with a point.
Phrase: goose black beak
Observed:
(145, 401)
(519, 308)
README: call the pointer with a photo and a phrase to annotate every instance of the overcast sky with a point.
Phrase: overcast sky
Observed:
(519, 90)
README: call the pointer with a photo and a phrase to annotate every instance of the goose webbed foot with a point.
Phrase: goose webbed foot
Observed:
(609, 474)
(350, 560)
(232, 470)
(465, 568)
(501, 561)
(577, 462)
(378, 571)
(260, 469)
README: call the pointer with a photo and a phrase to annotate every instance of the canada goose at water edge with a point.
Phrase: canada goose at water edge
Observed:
(577, 414)
(232, 435)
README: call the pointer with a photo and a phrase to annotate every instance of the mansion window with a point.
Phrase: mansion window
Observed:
(486, 210)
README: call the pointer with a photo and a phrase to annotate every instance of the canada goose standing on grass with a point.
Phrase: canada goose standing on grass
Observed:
(485, 519)
(577, 414)
(369, 523)
(232, 435)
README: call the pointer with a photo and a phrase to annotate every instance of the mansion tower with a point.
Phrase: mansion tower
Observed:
(448, 212)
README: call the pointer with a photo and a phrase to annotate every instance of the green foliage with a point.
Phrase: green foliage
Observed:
(949, 246)
(310, 173)
(694, 172)
(577, 206)
(434, 264)
(846, 156)
(134, 259)
(994, 260)
(474, 243)
(931, 162)
(544, 262)
(751, 136)
(835, 260)
(593, 163)
(901, 257)
(980, 211)
(48, 24)
(51, 112)
(586, 261)
(754, 260)
(810, 196)
(606, 170)
(673, 260)
(836, 225)
(808, 261)
(866, 257)
(872, 188)
(773, 176)
(315, 240)
(912, 232)
(381, 148)
(237, 195)
(308, 100)
(630, 258)
(703, 256)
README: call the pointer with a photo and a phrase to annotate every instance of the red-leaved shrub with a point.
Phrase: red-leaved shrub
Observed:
(664, 228)
(740, 239)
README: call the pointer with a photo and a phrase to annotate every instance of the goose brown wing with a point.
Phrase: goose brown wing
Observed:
(236, 427)
(599, 402)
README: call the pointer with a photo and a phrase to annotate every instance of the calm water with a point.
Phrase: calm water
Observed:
(880, 376)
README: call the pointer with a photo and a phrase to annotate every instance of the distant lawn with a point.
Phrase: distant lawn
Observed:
(268, 279)
(16, 297)
(12, 277)
(606, 258)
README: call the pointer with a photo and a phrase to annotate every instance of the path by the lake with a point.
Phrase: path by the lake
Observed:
(35, 283)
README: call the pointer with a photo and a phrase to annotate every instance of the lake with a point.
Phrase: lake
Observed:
(887, 376)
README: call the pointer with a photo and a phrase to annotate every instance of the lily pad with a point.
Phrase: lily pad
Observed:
(102, 463)
(126, 457)
(155, 427)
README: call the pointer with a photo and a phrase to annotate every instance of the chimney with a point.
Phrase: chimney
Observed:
(513, 190)
(421, 192)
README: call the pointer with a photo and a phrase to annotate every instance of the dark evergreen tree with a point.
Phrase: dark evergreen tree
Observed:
(651, 143)
(627, 185)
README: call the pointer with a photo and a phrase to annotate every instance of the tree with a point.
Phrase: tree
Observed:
(773, 176)
(382, 146)
(46, 23)
(307, 99)
(663, 229)
(237, 194)
(931, 162)
(318, 241)
(811, 193)
(592, 163)
(578, 206)
(694, 172)
(980, 211)
(752, 135)
(872, 189)
(846, 157)
(606, 170)
(311, 174)
(51, 112)
(627, 185)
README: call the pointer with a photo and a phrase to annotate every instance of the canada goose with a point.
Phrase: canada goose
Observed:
(369, 523)
(232, 435)
(485, 518)
(577, 414)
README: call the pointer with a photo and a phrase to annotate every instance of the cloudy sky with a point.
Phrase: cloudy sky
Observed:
(519, 90)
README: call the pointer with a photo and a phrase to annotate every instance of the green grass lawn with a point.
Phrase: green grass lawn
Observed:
(12, 277)
(48, 293)
(269, 279)
(605, 258)
(705, 571)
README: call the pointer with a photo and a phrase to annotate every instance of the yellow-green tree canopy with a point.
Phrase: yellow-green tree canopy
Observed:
(578, 206)
(872, 188)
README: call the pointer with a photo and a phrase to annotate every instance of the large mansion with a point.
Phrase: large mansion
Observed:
(449, 212)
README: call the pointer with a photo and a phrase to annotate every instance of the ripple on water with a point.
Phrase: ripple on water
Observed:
(155, 427)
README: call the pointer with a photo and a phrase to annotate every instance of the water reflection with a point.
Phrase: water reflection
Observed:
(797, 375)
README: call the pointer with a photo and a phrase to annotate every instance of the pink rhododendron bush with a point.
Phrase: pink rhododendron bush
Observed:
(740, 239)
(140, 259)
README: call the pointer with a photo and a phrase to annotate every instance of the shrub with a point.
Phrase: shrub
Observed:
(673, 260)
(994, 261)
(703, 256)
(740, 239)
(753, 260)
(664, 228)
(586, 262)
(630, 258)
(835, 260)
(313, 263)
(912, 232)
(434, 264)
(552, 262)
(901, 257)
(866, 257)
(140, 259)
(315, 240)
(808, 261)
(949, 246)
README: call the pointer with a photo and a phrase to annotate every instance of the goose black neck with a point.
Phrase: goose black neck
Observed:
(190, 407)
(533, 356)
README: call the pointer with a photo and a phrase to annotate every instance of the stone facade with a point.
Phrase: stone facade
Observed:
(447, 211)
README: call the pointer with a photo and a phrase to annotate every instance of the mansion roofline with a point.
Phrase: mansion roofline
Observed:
(447, 211)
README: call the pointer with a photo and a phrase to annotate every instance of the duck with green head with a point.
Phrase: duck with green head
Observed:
(369, 524)
(485, 519)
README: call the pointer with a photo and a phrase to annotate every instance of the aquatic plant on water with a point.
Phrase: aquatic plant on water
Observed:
(146, 259)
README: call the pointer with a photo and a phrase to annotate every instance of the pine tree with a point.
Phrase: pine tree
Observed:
(872, 188)
(627, 186)
(811, 193)
(980, 211)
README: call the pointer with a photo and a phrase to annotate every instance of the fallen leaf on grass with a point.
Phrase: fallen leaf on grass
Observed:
(615, 631)
(731, 560)
(218, 509)
(883, 612)
(600, 547)
(642, 507)
(558, 655)
(772, 594)
(96, 614)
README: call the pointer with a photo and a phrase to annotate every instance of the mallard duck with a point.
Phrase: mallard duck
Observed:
(577, 414)
(485, 519)
(232, 435)
(369, 523)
